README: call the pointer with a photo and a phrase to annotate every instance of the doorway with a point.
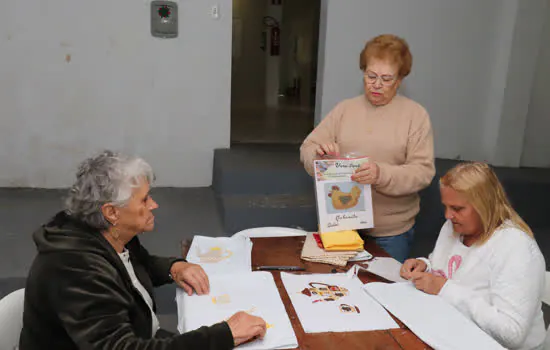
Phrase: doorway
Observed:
(274, 70)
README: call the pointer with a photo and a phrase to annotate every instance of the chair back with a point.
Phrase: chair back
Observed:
(270, 232)
(11, 319)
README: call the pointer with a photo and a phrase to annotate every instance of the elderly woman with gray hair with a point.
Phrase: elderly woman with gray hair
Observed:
(91, 284)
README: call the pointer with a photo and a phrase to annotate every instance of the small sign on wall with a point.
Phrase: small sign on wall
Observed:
(276, 2)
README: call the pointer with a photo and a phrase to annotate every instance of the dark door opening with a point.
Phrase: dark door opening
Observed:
(274, 70)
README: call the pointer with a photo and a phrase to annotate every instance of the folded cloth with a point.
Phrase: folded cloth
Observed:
(342, 240)
(338, 261)
(312, 252)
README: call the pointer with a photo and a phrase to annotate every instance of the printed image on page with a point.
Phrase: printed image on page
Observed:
(253, 292)
(221, 254)
(334, 303)
(342, 204)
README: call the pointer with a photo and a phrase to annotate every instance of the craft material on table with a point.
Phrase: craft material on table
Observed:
(362, 256)
(342, 241)
(312, 252)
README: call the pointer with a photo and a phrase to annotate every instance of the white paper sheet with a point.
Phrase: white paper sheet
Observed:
(387, 268)
(253, 292)
(350, 309)
(221, 254)
(431, 318)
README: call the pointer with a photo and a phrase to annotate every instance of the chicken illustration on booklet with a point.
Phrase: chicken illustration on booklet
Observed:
(342, 204)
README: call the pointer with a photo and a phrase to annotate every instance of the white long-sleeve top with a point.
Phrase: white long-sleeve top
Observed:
(499, 285)
(125, 257)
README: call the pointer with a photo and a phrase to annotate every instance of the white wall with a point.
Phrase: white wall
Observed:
(167, 100)
(497, 66)
(536, 148)
(522, 66)
(462, 63)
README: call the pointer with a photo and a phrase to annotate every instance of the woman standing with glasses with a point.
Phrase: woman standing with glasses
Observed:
(394, 131)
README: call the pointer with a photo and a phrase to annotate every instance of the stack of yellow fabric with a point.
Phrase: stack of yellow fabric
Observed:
(342, 241)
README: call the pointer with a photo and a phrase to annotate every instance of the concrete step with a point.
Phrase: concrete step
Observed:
(260, 170)
(240, 212)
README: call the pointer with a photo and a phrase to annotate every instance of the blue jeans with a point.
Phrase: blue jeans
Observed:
(397, 246)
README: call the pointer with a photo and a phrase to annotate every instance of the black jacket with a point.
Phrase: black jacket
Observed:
(79, 296)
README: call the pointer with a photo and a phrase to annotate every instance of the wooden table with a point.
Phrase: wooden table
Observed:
(285, 251)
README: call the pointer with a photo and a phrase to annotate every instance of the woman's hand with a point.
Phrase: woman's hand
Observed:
(190, 277)
(330, 149)
(245, 327)
(410, 266)
(367, 174)
(428, 282)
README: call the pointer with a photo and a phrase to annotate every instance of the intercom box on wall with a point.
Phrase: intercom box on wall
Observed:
(164, 19)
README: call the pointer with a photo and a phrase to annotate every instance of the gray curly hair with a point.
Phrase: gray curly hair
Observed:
(108, 177)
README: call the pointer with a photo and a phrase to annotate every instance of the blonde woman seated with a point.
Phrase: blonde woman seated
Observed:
(486, 261)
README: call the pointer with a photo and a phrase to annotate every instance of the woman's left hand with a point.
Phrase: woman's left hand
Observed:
(367, 174)
(428, 282)
(190, 277)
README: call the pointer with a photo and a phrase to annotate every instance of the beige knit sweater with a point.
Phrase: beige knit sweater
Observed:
(398, 137)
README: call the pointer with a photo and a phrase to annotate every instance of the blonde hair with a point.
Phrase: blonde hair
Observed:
(481, 187)
(388, 47)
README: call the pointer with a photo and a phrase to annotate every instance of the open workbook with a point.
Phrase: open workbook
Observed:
(234, 287)
(253, 292)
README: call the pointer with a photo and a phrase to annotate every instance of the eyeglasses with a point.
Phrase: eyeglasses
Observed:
(385, 79)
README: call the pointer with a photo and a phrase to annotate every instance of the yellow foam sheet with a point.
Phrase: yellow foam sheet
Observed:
(342, 240)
